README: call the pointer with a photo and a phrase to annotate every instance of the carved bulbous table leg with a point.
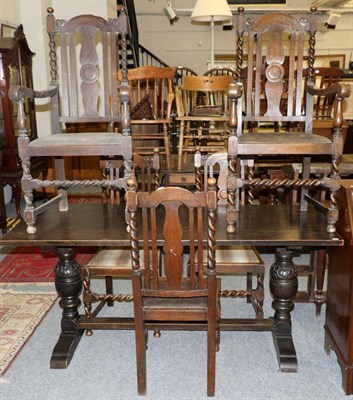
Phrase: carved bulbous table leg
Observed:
(284, 287)
(68, 283)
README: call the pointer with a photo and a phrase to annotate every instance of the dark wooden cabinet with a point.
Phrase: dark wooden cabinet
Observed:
(15, 69)
(339, 308)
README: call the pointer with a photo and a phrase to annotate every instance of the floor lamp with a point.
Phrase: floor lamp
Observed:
(211, 11)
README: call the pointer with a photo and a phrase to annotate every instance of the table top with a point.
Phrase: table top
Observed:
(104, 225)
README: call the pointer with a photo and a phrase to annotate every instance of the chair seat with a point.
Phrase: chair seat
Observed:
(290, 142)
(238, 259)
(81, 144)
(246, 255)
(114, 257)
(237, 254)
(114, 261)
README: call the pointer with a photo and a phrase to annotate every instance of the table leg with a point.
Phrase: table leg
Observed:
(68, 283)
(284, 287)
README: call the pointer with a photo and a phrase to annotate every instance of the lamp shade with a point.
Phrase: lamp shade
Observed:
(206, 10)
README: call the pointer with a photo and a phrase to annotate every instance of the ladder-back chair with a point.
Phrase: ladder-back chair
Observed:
(202, 111)
(173, 296)
(83, 89)
(269, 39)
(151, 99)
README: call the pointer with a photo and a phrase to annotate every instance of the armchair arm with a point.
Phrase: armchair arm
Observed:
(234, 93)
(124, 91)
(17, 93)
(341, 90)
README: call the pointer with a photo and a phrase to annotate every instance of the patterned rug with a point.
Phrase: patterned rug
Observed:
(30, 264)
(21, 311)
(26, 264)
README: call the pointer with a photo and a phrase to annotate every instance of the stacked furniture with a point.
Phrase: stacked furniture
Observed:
(151, 99)
(202, 111)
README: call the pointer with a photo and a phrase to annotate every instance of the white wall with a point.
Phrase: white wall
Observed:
(188, 44)
(10, 12)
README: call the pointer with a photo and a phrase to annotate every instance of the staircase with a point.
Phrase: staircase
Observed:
(138, 55)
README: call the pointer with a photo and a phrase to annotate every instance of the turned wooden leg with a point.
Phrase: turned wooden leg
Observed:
(109, 289)
(232, 190)
(68, 283)
(29, 213)
(319, 265)
(284, 287)
(17, 191)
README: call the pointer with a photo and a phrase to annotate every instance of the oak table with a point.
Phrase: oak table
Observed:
(284, 228)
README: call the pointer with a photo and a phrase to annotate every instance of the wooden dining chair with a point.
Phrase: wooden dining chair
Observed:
(180, 73)
(268, 39)
(165, 292)
(83, 89)
(115, 262)
(220, 71)
(151, 99)
(235, 260)
(202, 111)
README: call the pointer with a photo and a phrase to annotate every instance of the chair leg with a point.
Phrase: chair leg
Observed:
(320, 260)
(140, 335)
(212, 339)
(211, 359)
(259, 310)
(248, 286)
(86, 296)
(257, 301)
(140, 338)
(181, 141)
(166, 145)
(109, 289)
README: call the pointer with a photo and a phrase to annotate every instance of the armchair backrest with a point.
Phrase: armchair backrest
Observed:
(90, 51)
(274, 72)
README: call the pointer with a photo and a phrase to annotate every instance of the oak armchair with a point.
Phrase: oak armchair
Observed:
(270, 38)
(83, 89)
